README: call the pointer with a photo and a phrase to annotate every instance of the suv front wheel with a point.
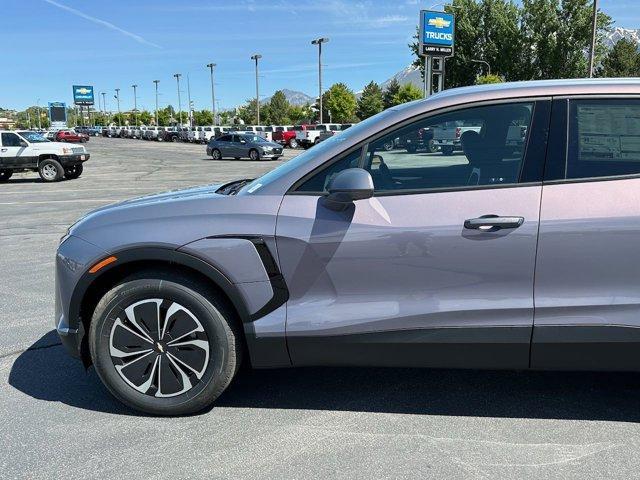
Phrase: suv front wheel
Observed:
(50, 170)
(5, 175)
(164, 344)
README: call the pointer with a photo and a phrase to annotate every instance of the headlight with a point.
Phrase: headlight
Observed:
(66, 150)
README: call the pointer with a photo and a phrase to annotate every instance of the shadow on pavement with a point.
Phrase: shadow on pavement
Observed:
(46, 372)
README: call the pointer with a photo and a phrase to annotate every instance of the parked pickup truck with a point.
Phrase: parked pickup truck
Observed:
(24, 150)
(285, 136)
(310, 136)
(447, 135)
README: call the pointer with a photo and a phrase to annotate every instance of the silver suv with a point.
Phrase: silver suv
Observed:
(501, 255)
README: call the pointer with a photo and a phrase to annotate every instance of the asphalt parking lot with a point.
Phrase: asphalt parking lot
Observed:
(58, 420)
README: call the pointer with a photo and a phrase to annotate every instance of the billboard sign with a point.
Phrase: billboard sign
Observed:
(437, 33)
(58, 114)
(83, 95)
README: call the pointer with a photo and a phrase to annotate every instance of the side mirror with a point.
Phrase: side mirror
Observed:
(24, 144)
(347, 186)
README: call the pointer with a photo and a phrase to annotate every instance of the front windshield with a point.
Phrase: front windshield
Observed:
(307, 155)
(256, 139)
(33, 137)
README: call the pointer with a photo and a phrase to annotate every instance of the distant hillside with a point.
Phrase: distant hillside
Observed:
(409, 74)
(294, 98)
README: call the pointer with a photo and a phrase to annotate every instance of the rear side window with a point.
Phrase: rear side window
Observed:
(604, 138)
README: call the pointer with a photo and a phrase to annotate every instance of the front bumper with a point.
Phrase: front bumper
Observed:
(73, 159)
(74, 257)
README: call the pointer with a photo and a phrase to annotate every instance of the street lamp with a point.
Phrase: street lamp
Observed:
(319, 42)
(135, 104)
(594, 30)
(104, 104)
(118, 100)
(483, 63)
(257, 57)
(211, 66)
(177, 77)
(156, 82)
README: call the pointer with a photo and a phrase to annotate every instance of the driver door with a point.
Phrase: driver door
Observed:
(419, 275)
(13, 152)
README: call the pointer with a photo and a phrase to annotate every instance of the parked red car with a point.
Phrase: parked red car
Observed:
(71, 136)
(285, 136)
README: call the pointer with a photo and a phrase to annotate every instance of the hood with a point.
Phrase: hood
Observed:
(173, 219)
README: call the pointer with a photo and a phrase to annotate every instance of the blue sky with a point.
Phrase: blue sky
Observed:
(50, 45)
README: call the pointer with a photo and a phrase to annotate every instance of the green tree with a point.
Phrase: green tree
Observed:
(407, 93)
(300, 114)
(248, 112)
(370, 102)
(623, 60)
(145, 118)
(531, 39)
(389, 94)
(203, 117)
(486, 79)
(279, 108)
(340, 103)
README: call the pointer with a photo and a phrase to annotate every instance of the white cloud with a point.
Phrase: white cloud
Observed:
(103, 23)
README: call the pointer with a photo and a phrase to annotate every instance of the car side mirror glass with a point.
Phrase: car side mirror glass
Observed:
(348, 186)
(24, 144)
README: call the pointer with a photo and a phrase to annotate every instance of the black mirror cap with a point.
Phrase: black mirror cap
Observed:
(349, 185)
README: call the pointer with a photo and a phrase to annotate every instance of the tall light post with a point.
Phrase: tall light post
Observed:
(483, 63)
(118, 100)
(177, 76)
(156, 82)
(257, 57)
(104, 105)
(39, 117)
(135, 104)
(594, 31)
(319, 42)
(211, 66)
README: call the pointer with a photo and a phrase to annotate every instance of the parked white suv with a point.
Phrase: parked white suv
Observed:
(25, 150)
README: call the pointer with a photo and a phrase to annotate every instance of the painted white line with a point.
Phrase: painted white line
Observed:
(76, 200)
(37, 192)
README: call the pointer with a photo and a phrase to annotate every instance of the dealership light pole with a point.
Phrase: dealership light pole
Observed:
(319, 42)
(594, 31)
(104, 105)
(156, 82)
(118, 100)
(135, 104)
(257, 57)
(177, 76)
(211, 66)
(39, 118)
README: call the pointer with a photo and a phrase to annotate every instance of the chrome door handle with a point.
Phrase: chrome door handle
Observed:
(491, 223)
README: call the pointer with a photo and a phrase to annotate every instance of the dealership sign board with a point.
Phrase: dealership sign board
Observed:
(58, 114)
(83, 95)
(437, 33)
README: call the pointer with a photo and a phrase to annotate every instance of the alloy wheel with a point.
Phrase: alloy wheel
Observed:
(159, 347)
(50, 172)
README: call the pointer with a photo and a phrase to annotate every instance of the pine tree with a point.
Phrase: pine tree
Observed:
(370, 101)
(623, 60)
(389, 94)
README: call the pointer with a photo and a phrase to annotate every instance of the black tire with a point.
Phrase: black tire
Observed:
(174, 139)
(388, 146)
(216, 154)
(50, 170)
(432, 147)
(219, 330)
(411, 149)
(293, 143)
(447, 150)
(5, 175)
(254, 155)
(74, 172)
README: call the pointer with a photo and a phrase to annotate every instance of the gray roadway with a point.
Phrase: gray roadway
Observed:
(56, 420)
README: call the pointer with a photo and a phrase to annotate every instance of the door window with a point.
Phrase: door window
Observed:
(320, 181)
(604, 138)
(473, 147)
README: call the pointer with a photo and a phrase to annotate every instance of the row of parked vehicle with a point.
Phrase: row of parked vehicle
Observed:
(292, 136)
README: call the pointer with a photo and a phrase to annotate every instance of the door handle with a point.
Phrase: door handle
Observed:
(3, 150)
(491, 223)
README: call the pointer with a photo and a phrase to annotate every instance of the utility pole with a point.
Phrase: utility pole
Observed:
(213, 93)
(118, 100)
(156, 82)
(319, 42)
(39, 117)
(135, 104)
(190, 116)
(594, 31)
(257, 57)
(104, 105)
(177, 76)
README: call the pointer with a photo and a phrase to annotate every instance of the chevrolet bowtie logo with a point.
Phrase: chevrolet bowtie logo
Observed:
(84, 91)
(439, 22)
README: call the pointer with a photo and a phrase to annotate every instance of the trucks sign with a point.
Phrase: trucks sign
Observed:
(83, 95)
(437, 33)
